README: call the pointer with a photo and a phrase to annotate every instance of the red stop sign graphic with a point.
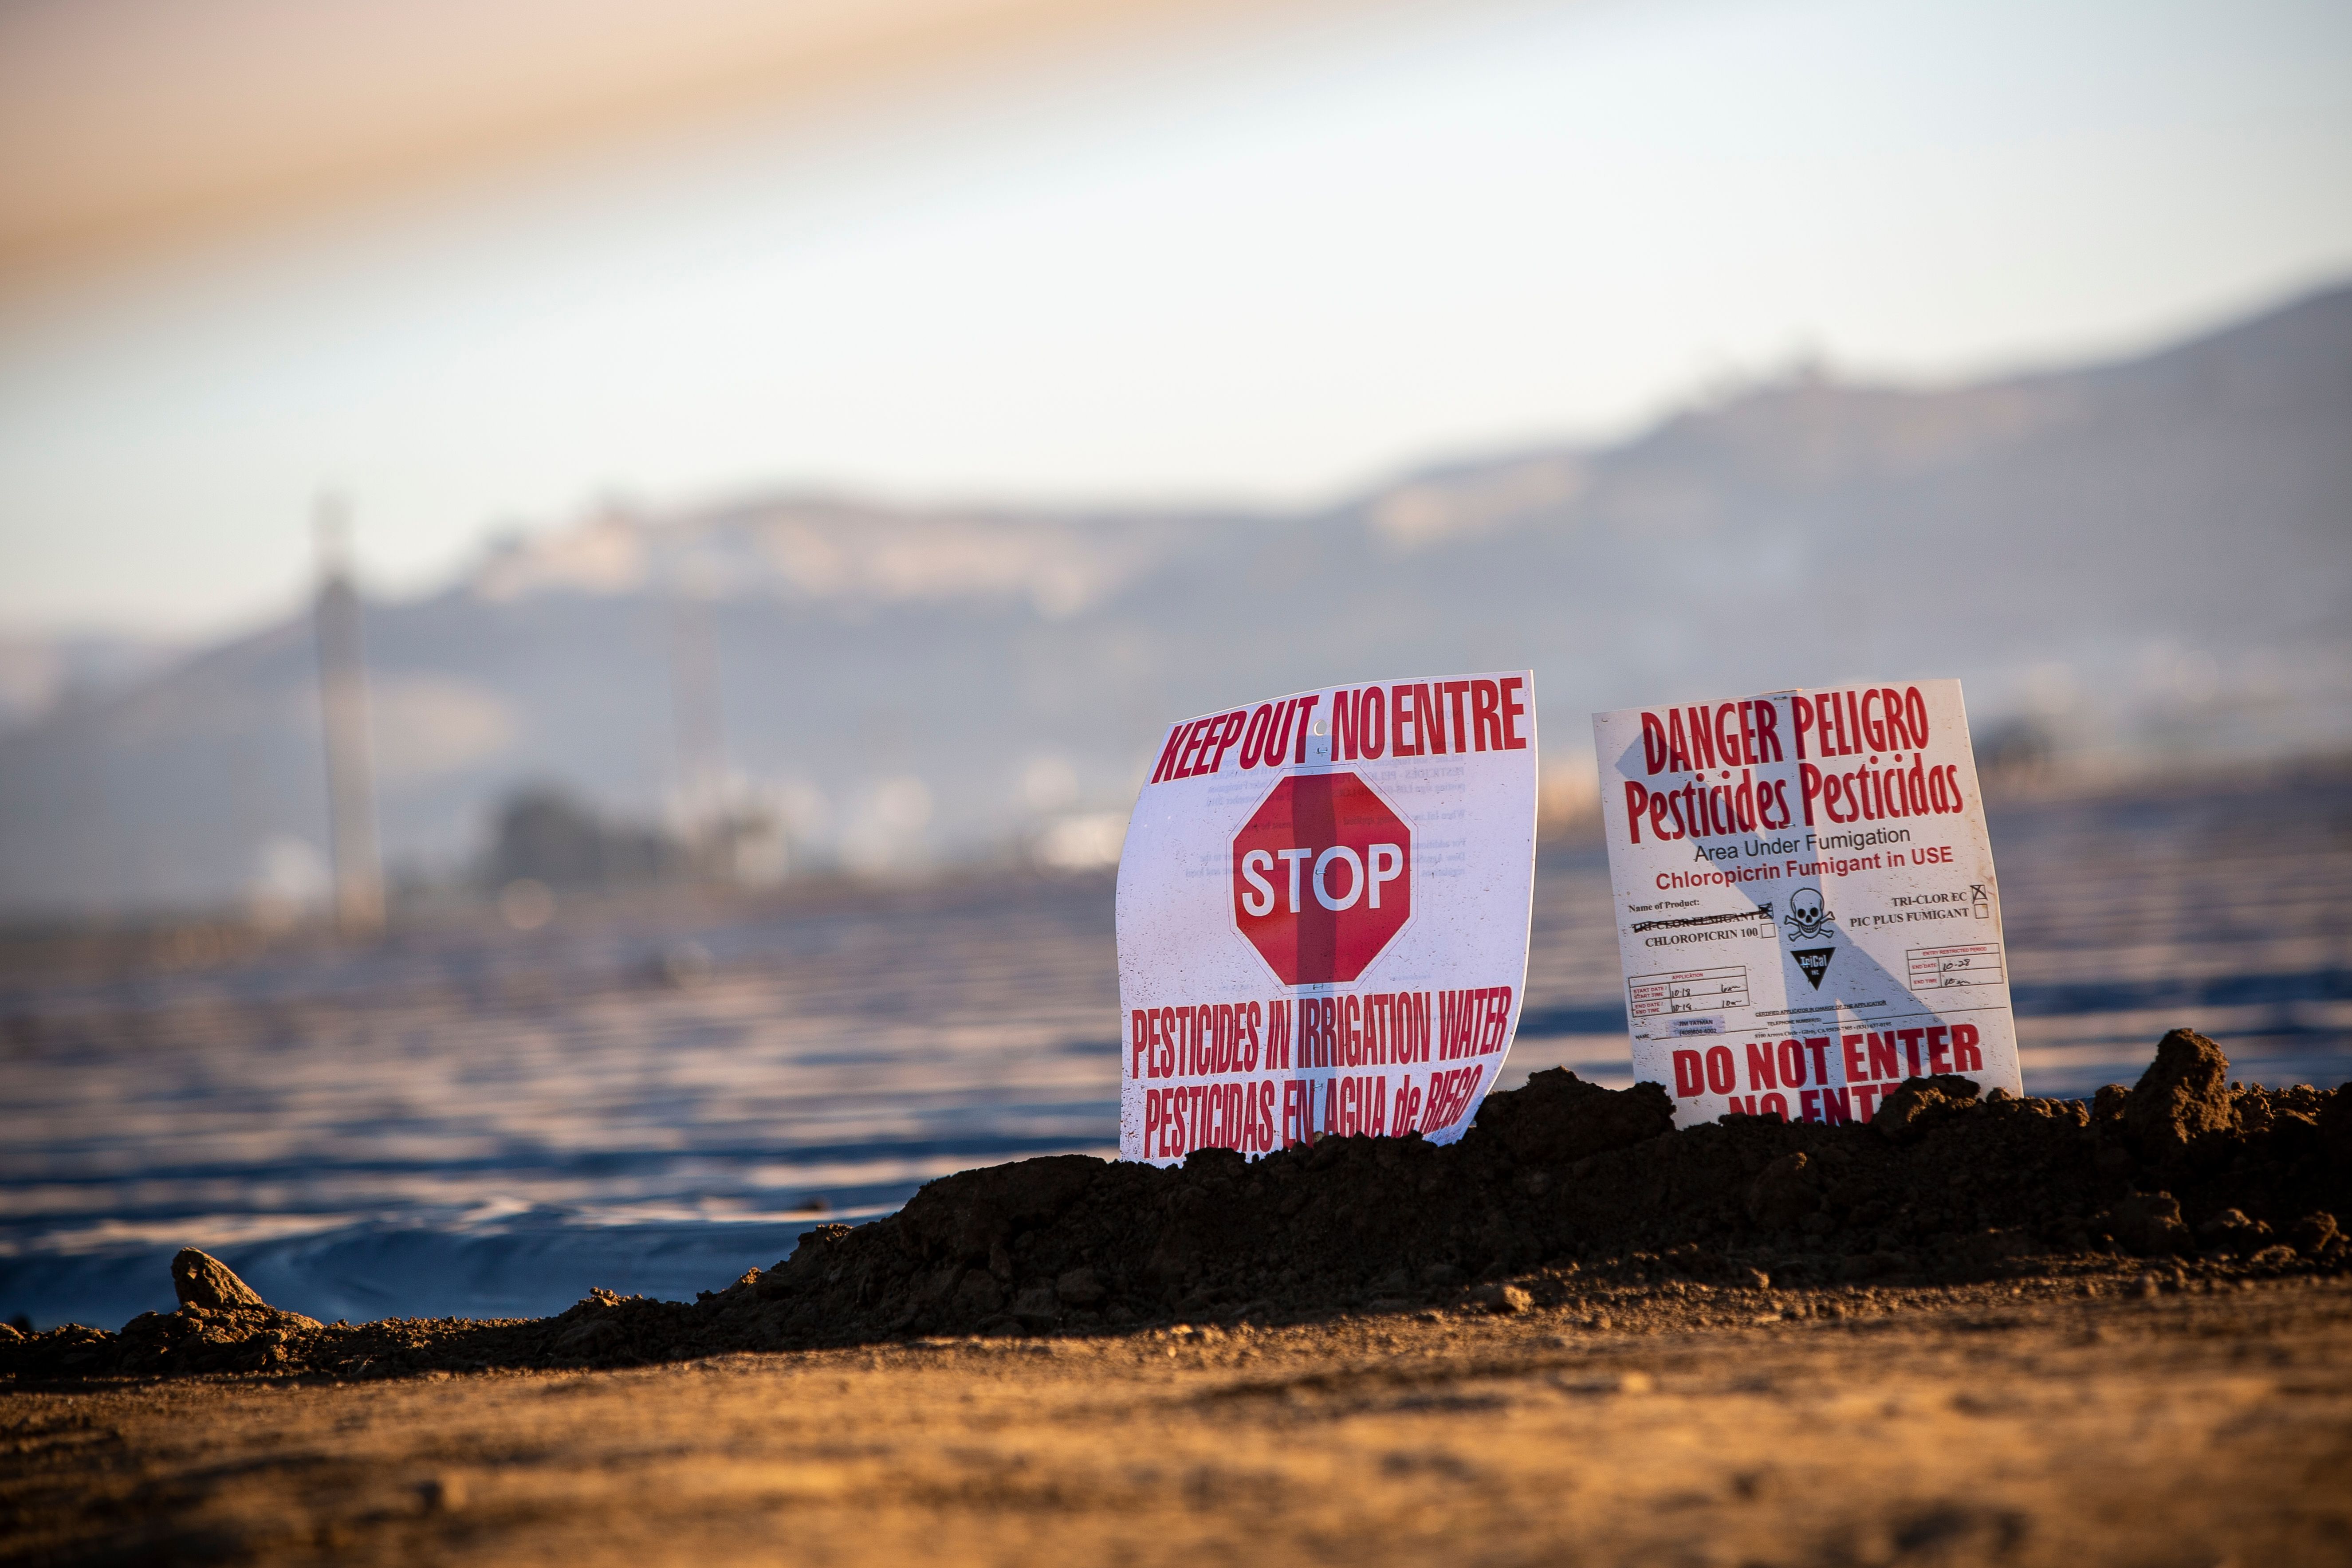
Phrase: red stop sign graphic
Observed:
(1322, 878)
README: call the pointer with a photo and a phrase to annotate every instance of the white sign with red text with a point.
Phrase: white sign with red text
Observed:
(1806, 904)
(1323, 908)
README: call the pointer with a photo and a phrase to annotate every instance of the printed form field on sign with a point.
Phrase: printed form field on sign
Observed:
(1689, 992)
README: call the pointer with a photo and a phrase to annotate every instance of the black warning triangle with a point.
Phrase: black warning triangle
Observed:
(1816, 963)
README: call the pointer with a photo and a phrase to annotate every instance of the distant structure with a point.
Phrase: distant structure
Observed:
(344, 715)
(700, 714)
(547, 835)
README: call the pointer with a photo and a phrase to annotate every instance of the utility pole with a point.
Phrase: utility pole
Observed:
(701, 721)
(343, 716)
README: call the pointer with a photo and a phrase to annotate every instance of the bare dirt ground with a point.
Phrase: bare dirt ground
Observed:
(2138, 1417)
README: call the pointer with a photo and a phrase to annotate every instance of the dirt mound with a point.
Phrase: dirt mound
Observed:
(1559, 1181)
(2184, 1096)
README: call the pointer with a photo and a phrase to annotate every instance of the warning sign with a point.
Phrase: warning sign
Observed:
(1806, 904)
(1323, 916)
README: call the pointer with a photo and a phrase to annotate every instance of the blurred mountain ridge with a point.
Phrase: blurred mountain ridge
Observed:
(810, 550)
(2146, 560)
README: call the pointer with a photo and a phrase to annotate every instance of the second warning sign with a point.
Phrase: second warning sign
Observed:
(1806, 904)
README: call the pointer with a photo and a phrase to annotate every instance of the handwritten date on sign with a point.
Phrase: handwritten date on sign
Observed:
(1322, 878)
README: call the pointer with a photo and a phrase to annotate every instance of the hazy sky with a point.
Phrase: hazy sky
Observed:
(1264, 269)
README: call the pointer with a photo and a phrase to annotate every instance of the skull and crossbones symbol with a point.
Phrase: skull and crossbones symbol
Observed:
(1806, 916)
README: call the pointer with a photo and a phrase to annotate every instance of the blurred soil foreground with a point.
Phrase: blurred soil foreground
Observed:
(2182, 1420)
(1969, 1330)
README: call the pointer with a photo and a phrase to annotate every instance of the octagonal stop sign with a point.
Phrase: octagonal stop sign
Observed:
(1322, 878)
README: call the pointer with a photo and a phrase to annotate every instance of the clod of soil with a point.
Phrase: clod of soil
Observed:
(1560, 1186)
(2184, 1096)
(200, 1279)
